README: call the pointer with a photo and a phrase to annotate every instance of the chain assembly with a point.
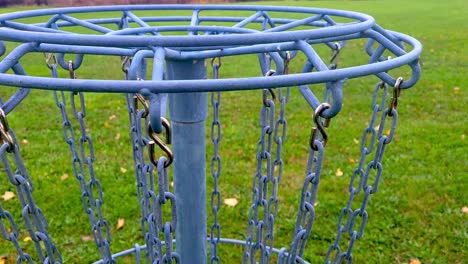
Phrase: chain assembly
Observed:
(306, 213)
(215, 201)
(153, 193)
(365, 179)
(83, 159)
(34, 220)
(265, 201)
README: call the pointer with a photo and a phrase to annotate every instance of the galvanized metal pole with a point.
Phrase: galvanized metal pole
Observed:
(188, 112)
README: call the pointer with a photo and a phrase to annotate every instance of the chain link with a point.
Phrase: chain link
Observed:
(215, 231)
(34, 219)
(365, 179)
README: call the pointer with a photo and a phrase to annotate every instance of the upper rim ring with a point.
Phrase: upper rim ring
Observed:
(362, 22)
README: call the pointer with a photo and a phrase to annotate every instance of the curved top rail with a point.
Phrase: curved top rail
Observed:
(361, 23)
(289, 33)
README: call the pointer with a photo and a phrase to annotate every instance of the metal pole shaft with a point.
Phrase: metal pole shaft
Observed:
(188, 112)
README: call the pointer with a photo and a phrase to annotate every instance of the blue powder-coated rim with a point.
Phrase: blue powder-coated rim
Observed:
(40, 38)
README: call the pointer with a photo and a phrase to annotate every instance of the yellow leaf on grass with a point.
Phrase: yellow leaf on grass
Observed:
(231, 202)
(120, 223)
(8, 196)
(338, 172)
(117, 136)
(25, 141)
(3, 259)
(464, 209)
(355, 141)
(456, 90)
(64, 177)
(351, 160)
(86, 238)
(112, 117)
(27, 239)
(123, 169)
(415, 261)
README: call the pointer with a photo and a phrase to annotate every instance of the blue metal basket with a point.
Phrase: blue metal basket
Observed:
(277, 35)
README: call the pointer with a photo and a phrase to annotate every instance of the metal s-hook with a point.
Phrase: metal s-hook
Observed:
(335, 56)
(319, 126)
(139, 98)
(396, 93)
(163, 146)
(270, 90)
(5, 136)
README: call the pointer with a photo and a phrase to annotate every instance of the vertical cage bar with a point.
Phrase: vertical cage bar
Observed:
(188, 112)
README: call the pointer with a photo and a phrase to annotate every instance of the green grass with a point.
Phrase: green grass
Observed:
(416, 213)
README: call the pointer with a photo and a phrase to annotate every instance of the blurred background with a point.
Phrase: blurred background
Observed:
(4, 3)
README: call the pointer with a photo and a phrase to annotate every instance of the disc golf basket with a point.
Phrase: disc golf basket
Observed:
(178, 49)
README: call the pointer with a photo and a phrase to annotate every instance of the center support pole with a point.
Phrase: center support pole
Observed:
(188, 112)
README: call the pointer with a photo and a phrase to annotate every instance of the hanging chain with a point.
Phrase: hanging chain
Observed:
(151, 200)
(263, 173)
(156, 220)
(353, 222)
(215, 234)
(83, 162)
(306, 213)
(260, 231)
(143, 169)
(34, 219)
(258, 223)
(279, 136)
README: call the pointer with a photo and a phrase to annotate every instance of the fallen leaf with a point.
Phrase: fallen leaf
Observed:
(231, 202)
(172, 184)
(120, 223)
(112, 117)
(64, 177)
(106, 124)
(464, 209)
(86, 238)
(338, 172)
(351, 160)
(8, 196)
(27, 239)
(456, 90)
(316, 204)
(124, 170)
(387, 132)
(355, 141)
(415, 261)
(463, 136)
(3, 259)
(25, 141)
(117, 136)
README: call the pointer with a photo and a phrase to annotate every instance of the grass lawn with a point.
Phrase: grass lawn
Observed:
(420, 211)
